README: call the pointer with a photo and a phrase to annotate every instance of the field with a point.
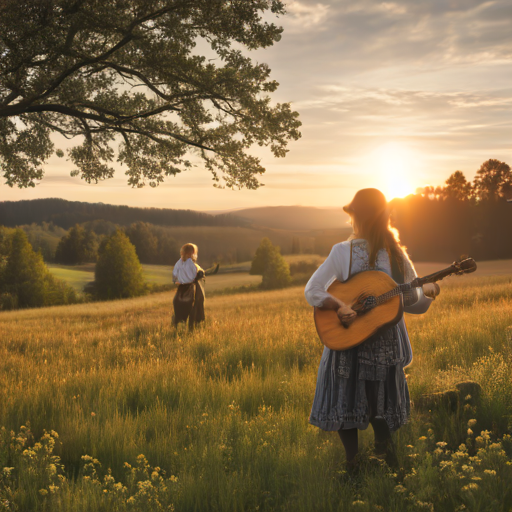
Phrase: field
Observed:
(80, 275)
(223, 410)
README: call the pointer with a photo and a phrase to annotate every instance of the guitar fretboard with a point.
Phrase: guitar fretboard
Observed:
(401, 288)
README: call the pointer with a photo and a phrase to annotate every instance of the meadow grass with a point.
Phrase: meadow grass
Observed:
(223, 410)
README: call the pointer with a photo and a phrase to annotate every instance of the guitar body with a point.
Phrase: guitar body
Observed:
(364, 284)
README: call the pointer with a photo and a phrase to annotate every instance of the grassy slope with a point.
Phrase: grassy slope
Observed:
(80, 275)
(226, 408)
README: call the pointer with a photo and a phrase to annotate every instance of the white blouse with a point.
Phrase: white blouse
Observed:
(336, 266)
(184, 272)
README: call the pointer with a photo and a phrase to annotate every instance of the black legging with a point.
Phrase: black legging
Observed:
(380, 427)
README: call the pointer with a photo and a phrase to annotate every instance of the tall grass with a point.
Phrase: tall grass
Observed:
(223, 410)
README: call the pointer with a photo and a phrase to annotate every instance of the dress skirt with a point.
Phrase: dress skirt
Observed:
(188, 304)
(363, 382)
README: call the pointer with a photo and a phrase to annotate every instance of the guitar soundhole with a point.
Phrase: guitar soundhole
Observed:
(364, 304)
(370, 302)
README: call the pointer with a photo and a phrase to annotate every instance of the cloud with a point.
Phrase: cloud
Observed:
(303, 16)
(372, 33)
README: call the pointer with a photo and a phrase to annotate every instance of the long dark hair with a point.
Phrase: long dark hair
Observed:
(379, 234)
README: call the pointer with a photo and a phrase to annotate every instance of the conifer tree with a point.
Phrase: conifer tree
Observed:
(118, 270)
(263, 255)
(24, 278)
(276, 273)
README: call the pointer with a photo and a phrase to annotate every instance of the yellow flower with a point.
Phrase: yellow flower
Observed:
(471, 423)
(470, 487)
(470, 432)
(490, 472)
(93, 414)
(422, 438)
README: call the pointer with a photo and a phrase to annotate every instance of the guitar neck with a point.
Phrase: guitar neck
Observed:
(461, 267)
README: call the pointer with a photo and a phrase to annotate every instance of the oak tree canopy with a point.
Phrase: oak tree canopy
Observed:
(148, 83)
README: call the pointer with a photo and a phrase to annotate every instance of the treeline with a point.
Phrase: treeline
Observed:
(68, 213)
(461, 217)
(81, 244)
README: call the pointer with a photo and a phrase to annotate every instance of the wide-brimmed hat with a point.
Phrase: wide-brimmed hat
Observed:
(368, 202)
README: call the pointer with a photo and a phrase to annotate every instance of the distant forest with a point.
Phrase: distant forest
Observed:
(459, 218)
(66, 214)
(435, 224)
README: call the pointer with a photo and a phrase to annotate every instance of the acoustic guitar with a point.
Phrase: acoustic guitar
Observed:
(378, 302)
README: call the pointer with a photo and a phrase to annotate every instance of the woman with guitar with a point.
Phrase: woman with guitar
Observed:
(366, 384)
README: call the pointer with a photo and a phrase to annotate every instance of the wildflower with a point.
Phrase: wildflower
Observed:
(470, 432)
(43, 492)
(468, 469)
(470, 487)
(359, 502)
(173, 478)
(468, 398)
(422, 438)
(93, 414)
(441, 444)
(471, 423)
(410, 446)
(490, 472)
(400, 489)
(476, 478)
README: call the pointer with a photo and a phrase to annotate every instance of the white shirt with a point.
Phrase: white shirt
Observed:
(184, 272)
(336, 266)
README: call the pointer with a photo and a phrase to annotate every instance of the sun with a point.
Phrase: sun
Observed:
(395, 165)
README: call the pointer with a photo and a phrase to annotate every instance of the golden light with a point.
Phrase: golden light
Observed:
(394, 165)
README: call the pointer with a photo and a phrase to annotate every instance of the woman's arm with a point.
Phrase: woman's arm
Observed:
(415, 301)
(336, 266)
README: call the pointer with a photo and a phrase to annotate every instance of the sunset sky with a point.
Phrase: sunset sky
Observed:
(393, 95)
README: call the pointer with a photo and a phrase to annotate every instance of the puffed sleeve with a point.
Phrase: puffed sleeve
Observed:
(190, 270)
(415, 301)
(336, 266)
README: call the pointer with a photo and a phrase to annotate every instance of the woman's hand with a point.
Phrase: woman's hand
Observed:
(431, 290)
(346, 315)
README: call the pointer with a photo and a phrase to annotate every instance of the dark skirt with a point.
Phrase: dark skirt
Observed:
(361, 383)
(188, 304)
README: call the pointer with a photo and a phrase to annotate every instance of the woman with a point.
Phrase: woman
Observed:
(365, 384)
(189, 298)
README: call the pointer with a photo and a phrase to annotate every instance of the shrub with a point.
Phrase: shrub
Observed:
(24, 278)
(118, 270)
(276, 273)
(264, 253)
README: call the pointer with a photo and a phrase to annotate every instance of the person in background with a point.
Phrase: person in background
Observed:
(188, 301)
(366, 384)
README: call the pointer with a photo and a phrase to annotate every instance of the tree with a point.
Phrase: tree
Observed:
(457, 187)
(276, 273)
(77, 246)
(128, 72)
(145, 242)
(24, 279)
(118, 271)
(263, 255)
(493, 180)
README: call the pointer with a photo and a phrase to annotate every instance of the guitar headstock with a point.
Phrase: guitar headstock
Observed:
(465, 266)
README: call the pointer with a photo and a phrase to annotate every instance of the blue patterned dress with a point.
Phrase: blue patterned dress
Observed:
(367, 380)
